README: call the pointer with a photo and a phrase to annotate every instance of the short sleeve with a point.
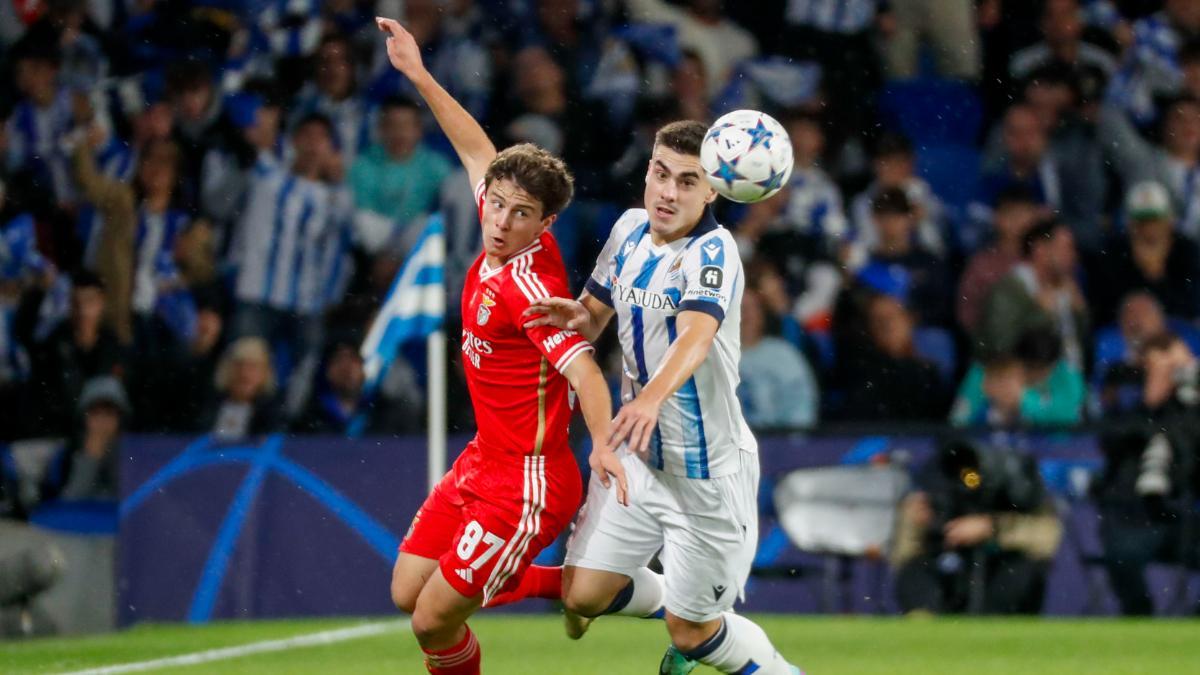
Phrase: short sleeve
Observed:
(624, 232)
(480, 194)
(559, 346)
(711, 268)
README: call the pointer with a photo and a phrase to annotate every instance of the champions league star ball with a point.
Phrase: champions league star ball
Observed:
(747, 156)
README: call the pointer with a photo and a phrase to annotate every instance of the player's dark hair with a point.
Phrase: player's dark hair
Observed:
(893, 145)
(84, 278)
(891, 200)
(1039, 347)
(1042, 232)
(399, 102)
(1015, 195)
(537, 172)
(683, 136)
(317, 118)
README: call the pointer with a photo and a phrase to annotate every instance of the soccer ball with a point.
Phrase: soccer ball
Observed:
(747, 156)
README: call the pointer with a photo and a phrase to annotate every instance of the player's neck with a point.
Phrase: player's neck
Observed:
(661, 239)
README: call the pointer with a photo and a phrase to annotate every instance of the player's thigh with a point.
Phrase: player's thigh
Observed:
(709, 543)
(611, 537)
(429, 537)
(589, 592)
(410, 574)
(441, 609)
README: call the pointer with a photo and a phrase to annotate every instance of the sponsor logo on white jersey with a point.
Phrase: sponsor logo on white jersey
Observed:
(642, 297)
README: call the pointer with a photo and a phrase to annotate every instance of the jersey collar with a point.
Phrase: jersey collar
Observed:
(486, 271)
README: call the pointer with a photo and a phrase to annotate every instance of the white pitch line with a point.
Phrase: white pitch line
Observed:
(223, 653)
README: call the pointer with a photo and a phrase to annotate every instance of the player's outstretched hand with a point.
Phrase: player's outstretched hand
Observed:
(557, 312)
(402, 48)
(607, 466)
(635, 423)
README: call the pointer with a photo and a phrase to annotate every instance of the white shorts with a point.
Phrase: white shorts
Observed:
(707, 530)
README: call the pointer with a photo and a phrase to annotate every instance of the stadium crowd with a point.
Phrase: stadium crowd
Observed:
(992, 220)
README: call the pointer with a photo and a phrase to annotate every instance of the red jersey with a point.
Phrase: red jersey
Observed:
(515, 375)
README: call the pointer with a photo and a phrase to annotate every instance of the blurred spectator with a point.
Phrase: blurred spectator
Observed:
(814, 202)
(67, 27)
(228, 168)
(802, 275)
(40, 119)
(69, 354)
(396, 180)
(1026, 162)
(1150, 256)
(778, 389)
(245, 403)
(947, 26)
(840, 35)
(1062, 25)
(1175, 164)
(1040, 291)
(199, 121)
(457, 61)
(894, 164)
(977, 536)
(1148, 489)
(702, 28)
(897, 252)
(689, 86)
(291, 246)
(30, 565)
(1151, 66)
(88, 465)
(887, 381)
(1015, 212)
(1118, 372)
(332, 92)
(172, 384)
(142, 243)
(1034, 386)
(341, 406)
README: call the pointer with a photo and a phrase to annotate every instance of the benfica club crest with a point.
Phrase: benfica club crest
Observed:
(485, 310)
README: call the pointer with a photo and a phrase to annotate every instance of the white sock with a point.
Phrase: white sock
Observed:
(739, 644)
(645, 595)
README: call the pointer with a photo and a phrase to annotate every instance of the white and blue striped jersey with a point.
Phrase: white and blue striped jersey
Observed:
(292, 243)
(700, 428)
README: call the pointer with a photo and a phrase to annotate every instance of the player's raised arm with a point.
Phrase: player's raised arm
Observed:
(474, 148)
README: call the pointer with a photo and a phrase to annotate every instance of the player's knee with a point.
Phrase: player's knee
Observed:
(430, 628)
(584, 601)
(688, 635)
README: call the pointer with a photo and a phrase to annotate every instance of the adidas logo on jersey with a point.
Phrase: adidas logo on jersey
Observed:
(465, 574)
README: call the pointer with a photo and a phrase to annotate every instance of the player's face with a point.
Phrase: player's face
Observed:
(512, 219)
(676, 193)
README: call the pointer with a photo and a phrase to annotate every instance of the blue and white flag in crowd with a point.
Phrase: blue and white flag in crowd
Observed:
(415, 305)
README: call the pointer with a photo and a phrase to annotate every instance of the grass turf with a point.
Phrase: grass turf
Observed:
(532, 645)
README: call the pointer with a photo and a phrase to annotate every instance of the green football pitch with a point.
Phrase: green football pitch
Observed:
(530, 645)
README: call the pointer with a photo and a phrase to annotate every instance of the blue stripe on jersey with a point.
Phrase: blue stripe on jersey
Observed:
(628, 246)
(277, 228)
(301, 249)
(635, 315)
(695, 442)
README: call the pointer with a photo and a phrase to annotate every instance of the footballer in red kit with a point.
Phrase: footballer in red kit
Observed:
(516, 486)
(518, 471)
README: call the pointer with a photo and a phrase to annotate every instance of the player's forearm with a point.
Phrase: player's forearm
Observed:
(470, 142)
(680, 362)
(594, 400)
(599, 315)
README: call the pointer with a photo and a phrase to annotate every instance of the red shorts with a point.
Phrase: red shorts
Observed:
(490, 516)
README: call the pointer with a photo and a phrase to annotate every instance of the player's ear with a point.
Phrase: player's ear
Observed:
(712, 195)
(548, 221)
